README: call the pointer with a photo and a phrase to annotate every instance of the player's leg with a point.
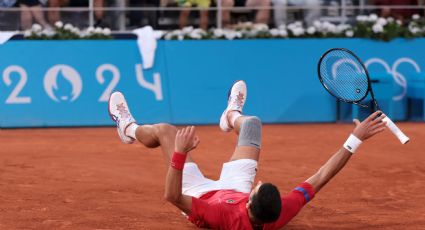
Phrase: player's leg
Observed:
(248, 128)
(151, 136)
(157, 135)
(239, 173)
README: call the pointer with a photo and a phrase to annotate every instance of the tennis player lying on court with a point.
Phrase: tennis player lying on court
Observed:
(231, 202)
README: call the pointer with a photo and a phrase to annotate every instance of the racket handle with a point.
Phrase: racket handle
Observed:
(397, 132)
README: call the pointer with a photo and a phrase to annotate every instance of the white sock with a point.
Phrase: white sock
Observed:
(131, 130)
(233, 115)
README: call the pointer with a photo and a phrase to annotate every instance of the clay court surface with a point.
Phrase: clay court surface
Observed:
(84, 178)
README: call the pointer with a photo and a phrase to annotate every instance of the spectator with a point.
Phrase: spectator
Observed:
(262, 15)
(140, 18)
(9, 20)
(311, 14)
(55, 15)
(401, 14)
(7, 3)
(98, 14)
(31, 10)
(184, 14)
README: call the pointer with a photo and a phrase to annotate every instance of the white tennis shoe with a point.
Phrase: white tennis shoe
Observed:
(236, 101)
(120, 113)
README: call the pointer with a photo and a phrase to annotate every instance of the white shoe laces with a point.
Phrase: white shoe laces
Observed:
(123, 111)
(238, 100)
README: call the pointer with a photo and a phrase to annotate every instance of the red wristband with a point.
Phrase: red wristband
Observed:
(178, 160)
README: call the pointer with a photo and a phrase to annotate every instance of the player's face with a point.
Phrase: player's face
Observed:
(255, 190)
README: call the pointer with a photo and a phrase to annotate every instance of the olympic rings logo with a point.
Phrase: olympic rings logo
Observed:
(399, 78)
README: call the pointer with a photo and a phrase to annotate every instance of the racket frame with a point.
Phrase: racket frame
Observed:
(369, 84)
(390, 124)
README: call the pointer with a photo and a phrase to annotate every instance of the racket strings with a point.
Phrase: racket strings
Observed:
(343, 75)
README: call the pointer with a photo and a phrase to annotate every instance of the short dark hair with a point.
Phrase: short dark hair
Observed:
(266, 204)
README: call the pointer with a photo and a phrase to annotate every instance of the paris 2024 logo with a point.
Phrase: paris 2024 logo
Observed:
(63, 73)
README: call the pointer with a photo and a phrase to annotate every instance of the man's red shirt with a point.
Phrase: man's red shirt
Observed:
(226, 209)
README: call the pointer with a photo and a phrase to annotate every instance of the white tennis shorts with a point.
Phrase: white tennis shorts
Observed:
(235, 175)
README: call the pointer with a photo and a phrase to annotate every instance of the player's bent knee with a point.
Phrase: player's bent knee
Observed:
(164, 129)
(250, 133)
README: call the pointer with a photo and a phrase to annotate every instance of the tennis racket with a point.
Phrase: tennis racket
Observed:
(345, 77)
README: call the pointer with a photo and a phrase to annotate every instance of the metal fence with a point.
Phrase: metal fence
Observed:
(122, 15)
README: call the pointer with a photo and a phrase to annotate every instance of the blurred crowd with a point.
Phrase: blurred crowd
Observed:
(31, 10)
(198, 12)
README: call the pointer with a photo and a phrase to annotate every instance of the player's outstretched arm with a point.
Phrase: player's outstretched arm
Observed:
(363, 131)
(185, 141)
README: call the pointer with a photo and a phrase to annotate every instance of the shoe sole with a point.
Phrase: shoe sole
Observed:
(228, 96)
(230, 91)
(109, 107)
(113, 116)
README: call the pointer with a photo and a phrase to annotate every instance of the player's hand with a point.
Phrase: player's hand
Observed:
(186, 140)
(370, 126)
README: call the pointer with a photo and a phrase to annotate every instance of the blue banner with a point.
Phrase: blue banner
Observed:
(67, 83)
